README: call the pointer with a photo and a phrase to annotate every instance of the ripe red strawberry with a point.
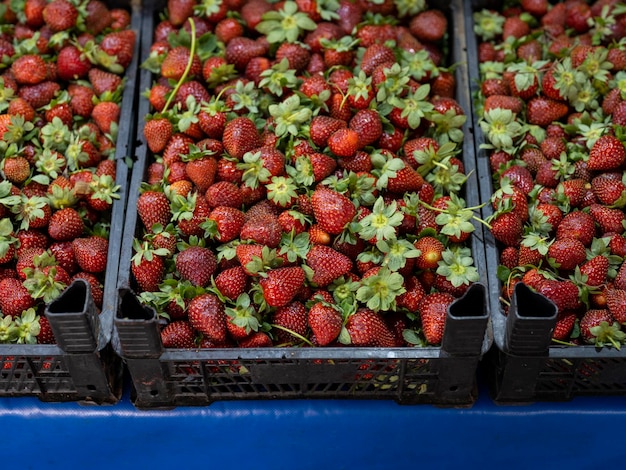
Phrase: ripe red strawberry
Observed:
(240, 136)
(325, 322)
(431, 250)
(206, 315)
(367, 328)
(513, 103)
(281, 285)
(16, 169)
(327, 264)
(594, 318)
(91, 253)
(333, 211)
(292, 317)
(178, 335)
(175, 62)
(60, 15)
(72, 64)
(564, 326)
(322, 127)
(368, 126)
(226, 223)
(119, 44)
(564, 294)
(65, 224)
(39, 95)
(29, 69)
(15, 298)
(258, 339)
(607, 154)
(102, 81)
(153, 208)
(567, 253)
(232, 282)
(98, 17)
(265, 230)
(507, 228)
(433, 310)
(344, 142)
(543, 111)
(429, 25)
(596, 270)
(616, 303)
(577, 224)
(240, 50)
(105, 114)
(610, 220)
(196, 264)
(148, 270)
(375, 55)
(157, 133)
(81, 99)
(515, 27)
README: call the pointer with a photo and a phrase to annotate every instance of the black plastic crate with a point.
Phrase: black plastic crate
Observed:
(165, 378)
(525, 366)
(82, 366)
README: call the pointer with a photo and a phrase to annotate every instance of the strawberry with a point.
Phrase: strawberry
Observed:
(325, 322)
(240, 50)
(16, 169)
(322, 127)
(98, 17)
(157, 133)
(196, 264)
(91, 253)
(333, 211)
(367, 328)
(60, 15)
(179, 335)
(153, 208)
(368, 126)
(607, 154)
(102, 81)
(564, 294)
(616, 303)
(543, 111)
(281, 285)
(206, 315)
(578, 225)
(148, 269)
(431, 250)
(293, 318)
(258, 339)
(512, 103)
(45, 336)
(567, 253)
(327, 264)
(175, 62)
(596, 270)
(119, 44)
(232, 282)
(240, 136)
(29, 69)
(515, 27)
(564, 326)
(344, 142)
(15, 299)
(433, 310)
(65, 225)
(105, 114)
(39, 95)
(225, 223)
(429, 25)
(609, 220)
(507, 228)
(81, 99)
(72, 64)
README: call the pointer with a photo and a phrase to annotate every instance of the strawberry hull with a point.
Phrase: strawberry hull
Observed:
(525, 364)
(166, 377)
(82, 365)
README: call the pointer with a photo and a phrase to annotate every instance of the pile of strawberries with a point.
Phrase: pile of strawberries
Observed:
(306, 181)
(60, 88)
(553, 111)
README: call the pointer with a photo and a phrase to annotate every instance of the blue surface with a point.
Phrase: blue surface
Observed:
(583, 433)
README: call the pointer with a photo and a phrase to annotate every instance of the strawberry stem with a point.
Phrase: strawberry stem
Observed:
(293, 333)
(192, 53)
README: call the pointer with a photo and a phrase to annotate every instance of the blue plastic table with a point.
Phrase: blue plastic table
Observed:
(583, 433)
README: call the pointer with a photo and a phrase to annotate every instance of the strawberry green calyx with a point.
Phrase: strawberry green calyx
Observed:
(253, 170)
(289, 116)
(146, 251)
(457, 267)
(182, 207)
(397, 252)
(6, 94)
(8, 330)
(526, 75)
(7, 240)
(608, 335)
(6, 198)
(268, 260)
(56, 135)
(27, 327)
(409, 7)
(278, 77)
(243, 314)
(448, 127)
(379, 291)
(61, 197)
(567, 79)
(446, 178)
(415, 106)
(294, 246)
(19, 130)
(395, 83)
(281, 191)
(536, 241)
(246, 97)
(104, 188)
(488, 24)
(419, 64)
(344, 289)
(207, 7)
(29, 209)
(382, 223)
(501, 129)
(286, 24)
(50, 163)
(42, 283)
(386, 166)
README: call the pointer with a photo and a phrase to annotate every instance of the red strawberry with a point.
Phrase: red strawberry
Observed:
(175, 62)
(258, 339)
(429, 25)
(333, 211)
(157, 133)
(179, 335)
(202, 172)
(240, 50)
(367, 328)
(515, 27)
(567, 253)
(579, 225)
(368, 126)
(327, 264)
(594, 318)
(507, 228)
(265, 230)
(620, 279)
(105, 114)
(607, 154)
(97, 290)
(148, 270)
(596, 270)
(543, 111)
(232, 282)
(153, 208)
(564, 294)
(29, 69)
(45, 336)
(616, 303)
(102, 81)
(344, 142)
(565, 321)
(206, 315)
(433, 310)
(81, 99)
(240, 136)
(325, 322)
(91, 253)
(196, 264)
(610, 220)
(431, 250)
(281, 285)
(513, 103)
(60, 15)
(119, 44)
(65, 225)
(15, 298)
(322, 127)
(225, 223)
(98, 17)
(39, 95)
(72, 64)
